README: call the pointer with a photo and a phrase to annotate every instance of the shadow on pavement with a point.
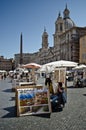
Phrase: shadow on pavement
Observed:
(12, 112)
(74, 87)
(8, 90)
(43, 115)
(84, 94)
(57, 110)
(12, 99)
(49, 114)
(70, 87)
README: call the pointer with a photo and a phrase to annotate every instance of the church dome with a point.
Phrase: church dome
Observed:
(68, 23)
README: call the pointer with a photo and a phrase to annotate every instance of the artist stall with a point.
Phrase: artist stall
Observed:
(33, 99)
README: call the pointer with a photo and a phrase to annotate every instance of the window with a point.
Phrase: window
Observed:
(61, 29)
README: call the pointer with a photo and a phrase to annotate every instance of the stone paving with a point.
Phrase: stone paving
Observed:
(72, 117)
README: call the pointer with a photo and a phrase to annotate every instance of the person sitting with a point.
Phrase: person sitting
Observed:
(58, 99)
(60, 93)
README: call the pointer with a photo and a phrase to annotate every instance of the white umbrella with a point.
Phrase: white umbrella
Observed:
(45, 68)
(49, 67)
(79, 67)
(62, 63)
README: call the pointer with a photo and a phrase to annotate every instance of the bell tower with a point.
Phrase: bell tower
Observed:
(45, 40)
(59, 28)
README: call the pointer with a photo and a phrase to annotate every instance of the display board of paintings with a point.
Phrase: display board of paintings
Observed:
(32, 101)
(59, 75)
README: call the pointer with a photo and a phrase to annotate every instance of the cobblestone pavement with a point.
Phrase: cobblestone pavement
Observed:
(73, 116)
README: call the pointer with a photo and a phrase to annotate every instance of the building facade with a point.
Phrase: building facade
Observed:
(66, 44)
(6, 64)
(83, 49)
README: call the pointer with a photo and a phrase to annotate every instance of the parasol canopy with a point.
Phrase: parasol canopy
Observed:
(80, 67)
(49, 67)
(45, 68)
(62, 63)
(31, 66)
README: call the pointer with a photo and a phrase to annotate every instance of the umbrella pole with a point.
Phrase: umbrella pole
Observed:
(33, 75)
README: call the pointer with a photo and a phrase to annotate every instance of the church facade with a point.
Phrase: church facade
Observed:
(66, 44)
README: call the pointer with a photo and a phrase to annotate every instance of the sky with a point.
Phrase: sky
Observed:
(30, 17)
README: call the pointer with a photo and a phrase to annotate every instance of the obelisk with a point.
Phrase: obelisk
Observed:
(21, 48)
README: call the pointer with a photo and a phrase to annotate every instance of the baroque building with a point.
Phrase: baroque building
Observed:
(66, 44)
